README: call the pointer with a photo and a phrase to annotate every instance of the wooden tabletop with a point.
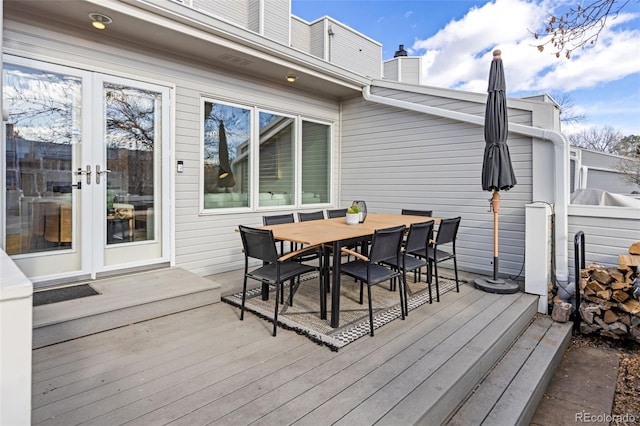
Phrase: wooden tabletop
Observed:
(328, 230)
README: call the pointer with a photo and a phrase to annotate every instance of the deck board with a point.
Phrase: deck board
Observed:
(204, 366)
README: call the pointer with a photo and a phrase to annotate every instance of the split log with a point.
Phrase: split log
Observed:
(610, 316)
(634, 248)
(620, 296)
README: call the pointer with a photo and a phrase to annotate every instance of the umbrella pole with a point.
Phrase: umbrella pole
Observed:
(496, 285)
(495, 206)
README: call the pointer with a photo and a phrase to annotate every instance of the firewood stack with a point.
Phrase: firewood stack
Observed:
(609, 306)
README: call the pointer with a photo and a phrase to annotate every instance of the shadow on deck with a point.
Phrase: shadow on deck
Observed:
(473, 358)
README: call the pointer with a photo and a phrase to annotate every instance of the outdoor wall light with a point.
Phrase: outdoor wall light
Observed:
(291, 78)
(100, 21)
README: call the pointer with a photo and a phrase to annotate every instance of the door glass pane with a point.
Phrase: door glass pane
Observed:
(227, 132)
(132, 137)
(316, 143)
(276, 173)
(42, 130)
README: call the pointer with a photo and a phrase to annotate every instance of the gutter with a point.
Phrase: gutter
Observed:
(561, 171)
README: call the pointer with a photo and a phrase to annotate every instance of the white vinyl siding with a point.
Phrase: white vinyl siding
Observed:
(353, 51)
(391, 71)
(410, 68)
(609, 232)
(317, 39)
(236, 11)
(253, 19)
(404, 69)
(204, 244)
(277, 20)
(394, 158)
(300, 34)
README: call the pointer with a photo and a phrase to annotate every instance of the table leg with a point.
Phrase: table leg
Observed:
(324, 280)
(335, 288)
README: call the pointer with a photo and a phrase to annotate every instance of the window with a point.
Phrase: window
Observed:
(315, 163)
(293, 161)
(227, 131)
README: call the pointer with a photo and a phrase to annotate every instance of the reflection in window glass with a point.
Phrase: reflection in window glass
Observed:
(316, 144)
(277, 160)
(131, 136)
(227, 133)
(42, 128)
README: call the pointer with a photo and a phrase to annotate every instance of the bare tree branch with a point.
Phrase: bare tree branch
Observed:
(579, 27)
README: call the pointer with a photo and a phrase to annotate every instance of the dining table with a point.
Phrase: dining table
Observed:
(335, 233)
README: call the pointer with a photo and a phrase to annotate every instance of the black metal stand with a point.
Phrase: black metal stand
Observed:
(579, 263)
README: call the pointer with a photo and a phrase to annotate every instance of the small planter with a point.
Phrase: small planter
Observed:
(353, 218)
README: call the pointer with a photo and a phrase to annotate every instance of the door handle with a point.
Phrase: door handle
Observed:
(87, 173)
(100, 172)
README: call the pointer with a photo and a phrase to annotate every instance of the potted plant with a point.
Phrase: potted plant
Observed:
(353, 215)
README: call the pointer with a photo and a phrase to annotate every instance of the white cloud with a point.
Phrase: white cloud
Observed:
(459, 55)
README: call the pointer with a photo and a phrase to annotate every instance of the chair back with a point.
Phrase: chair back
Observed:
(258, 244)
(277, 219)
(303, 217)
(428, 213)
(336, 213)
(448, 230)
(419, 236)
(385, 243)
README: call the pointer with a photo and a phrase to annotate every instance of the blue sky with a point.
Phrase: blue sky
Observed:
(456, 38)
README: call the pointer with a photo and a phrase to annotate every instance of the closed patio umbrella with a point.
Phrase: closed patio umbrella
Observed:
(225, 174)
(497, 171)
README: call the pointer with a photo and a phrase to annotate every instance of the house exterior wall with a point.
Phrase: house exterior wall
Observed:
(598, 170)
(394, 158)
(317, 40)
(300, 34)
(353, 51)
(202, 243)
(390, 70)
(608, 233)
(277, 20)
(236, 11)
(404, 69)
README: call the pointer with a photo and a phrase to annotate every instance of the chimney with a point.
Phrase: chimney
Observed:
(400, 51)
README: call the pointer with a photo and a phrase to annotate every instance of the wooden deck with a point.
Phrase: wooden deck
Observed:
(204, 366)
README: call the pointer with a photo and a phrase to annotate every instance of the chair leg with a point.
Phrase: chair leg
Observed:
(370, 309)
(403, 295)
(244, 296)
(275, 313)
(455, 268)
(292, 289)
(429, 281)
(361, 290)
(435, 272)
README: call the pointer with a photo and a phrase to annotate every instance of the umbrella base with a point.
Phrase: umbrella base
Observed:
(498, 286)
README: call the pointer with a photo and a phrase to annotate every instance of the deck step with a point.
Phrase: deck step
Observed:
(511, 391)
(123, 300)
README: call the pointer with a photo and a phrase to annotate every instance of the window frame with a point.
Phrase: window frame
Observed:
(254, 159)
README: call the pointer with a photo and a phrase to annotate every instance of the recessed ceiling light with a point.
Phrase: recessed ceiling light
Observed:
(291, 78)
(100, 21)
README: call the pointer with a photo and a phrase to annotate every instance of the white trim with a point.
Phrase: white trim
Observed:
(613, 212)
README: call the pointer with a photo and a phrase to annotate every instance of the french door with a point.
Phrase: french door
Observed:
(83, 186)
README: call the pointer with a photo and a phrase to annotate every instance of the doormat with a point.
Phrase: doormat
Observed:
(61, 294)
(304, 316)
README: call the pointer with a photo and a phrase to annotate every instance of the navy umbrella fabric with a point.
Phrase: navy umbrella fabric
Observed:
(497, 170)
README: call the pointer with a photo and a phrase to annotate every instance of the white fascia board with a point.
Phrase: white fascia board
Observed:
(177, 17)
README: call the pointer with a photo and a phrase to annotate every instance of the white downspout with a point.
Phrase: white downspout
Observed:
(561, 160)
